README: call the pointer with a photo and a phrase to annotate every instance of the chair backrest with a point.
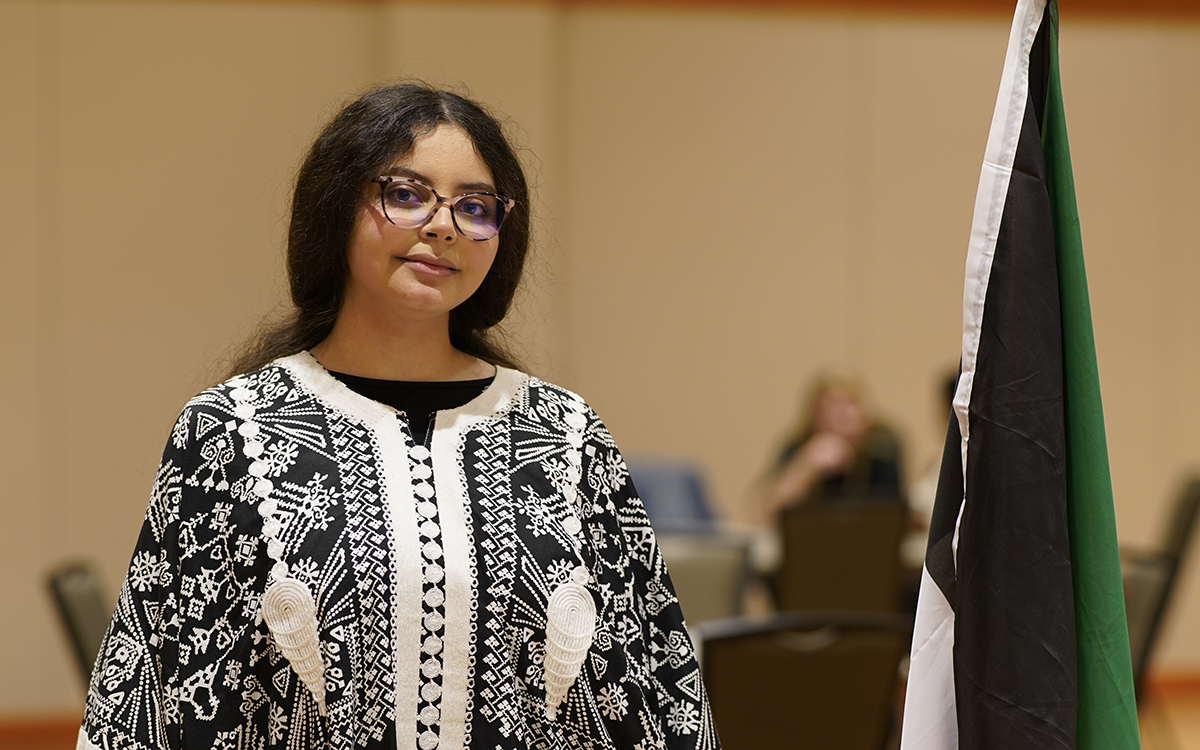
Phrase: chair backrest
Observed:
(1144, 583)
(1154, 580)
(841, 555)
(1177, 535)
(83, 610)
(803, 679)
(708, 571)
(674, 495)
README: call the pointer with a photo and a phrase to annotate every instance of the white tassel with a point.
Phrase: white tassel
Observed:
(571, 622)
(291, 616)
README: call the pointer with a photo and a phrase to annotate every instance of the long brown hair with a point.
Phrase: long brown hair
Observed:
(355, 147)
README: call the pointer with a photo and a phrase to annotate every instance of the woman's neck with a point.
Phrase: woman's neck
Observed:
(415, 351)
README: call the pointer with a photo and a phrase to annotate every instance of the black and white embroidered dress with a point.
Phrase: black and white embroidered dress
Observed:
(431, 570)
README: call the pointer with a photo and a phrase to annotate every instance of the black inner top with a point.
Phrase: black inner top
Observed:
(416, 399)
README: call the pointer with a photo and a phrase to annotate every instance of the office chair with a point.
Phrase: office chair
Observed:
(804, 679)
(83, 610)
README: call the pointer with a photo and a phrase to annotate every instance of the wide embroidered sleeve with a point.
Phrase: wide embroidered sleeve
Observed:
(188, 661)
(133, 694)
(640, 609)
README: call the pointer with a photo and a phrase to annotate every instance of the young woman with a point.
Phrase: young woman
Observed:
(836, 451)
(379, 533)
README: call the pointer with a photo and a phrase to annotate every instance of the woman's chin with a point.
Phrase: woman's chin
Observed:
(423, 299)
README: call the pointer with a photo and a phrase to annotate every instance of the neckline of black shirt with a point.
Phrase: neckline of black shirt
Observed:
(419, 401)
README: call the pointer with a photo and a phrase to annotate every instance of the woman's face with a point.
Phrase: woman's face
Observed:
(422, 273)
(839, 412)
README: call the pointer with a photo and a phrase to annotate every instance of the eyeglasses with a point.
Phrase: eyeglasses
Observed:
(409, 204)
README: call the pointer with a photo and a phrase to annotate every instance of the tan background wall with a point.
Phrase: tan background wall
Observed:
(728, 202)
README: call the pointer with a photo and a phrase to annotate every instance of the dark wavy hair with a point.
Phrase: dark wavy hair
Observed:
(357, 145)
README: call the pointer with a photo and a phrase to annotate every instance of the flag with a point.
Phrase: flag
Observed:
(1020, 638)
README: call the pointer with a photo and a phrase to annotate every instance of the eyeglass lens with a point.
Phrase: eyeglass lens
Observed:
(411, 204)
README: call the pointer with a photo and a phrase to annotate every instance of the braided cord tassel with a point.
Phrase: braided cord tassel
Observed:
(291, 616)
(571, 622)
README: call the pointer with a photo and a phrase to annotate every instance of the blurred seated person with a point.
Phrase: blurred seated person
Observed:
(838, 450)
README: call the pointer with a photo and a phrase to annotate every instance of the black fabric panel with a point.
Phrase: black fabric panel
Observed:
(417, 400)
(1014, 655)
(939, 556)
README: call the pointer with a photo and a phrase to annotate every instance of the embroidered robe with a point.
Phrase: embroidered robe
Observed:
(431, 571)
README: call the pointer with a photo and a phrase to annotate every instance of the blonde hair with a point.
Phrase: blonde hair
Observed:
(825, 381)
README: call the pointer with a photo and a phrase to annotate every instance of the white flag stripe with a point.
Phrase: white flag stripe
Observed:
(930, 723)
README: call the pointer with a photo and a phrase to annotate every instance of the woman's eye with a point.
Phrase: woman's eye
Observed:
(403, 195)
(475, 208)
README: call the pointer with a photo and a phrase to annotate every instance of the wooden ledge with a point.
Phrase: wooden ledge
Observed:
(47, 732)
(1182, 684)
(1153, 10)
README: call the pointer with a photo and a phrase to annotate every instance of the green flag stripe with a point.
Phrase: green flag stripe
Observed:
(1107, 713)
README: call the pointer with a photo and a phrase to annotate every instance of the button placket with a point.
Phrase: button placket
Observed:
(433, 597)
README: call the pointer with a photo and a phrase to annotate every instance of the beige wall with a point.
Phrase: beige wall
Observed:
(728, 202)
(1134, 112)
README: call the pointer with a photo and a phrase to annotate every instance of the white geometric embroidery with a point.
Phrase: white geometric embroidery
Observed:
(683, 718)
(613, 702)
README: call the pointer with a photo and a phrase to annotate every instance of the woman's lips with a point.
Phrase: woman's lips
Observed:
(423, 266)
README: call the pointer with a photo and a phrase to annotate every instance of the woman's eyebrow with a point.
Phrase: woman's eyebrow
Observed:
(405, 172)
(465, 187)
(481, 186)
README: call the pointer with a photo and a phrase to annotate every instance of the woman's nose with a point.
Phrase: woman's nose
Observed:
(441, 225)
